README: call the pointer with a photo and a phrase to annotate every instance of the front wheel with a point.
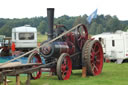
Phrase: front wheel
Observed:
(64, 67)
(35, 58)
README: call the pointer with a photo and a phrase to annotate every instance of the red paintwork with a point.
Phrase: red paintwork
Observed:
(66, 68)
(81, 37)
(70, 37)
(96, 58)
(38, 74)
(71, 47)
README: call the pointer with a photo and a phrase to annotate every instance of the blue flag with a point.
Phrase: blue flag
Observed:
(92, 16)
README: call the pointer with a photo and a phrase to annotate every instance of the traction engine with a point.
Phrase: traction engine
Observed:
(72, 51)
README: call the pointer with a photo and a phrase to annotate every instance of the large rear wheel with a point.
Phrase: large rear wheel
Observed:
(64, 67)
(92, 54)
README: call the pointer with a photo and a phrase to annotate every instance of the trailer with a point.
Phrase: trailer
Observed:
(24, 38)
(115, 45)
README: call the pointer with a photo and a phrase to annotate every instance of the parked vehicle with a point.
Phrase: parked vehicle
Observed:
(5, 46)
(24, 38)
(68, 49)
(115, 45)
(1, 39)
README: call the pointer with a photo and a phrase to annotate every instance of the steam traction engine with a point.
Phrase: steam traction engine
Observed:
(72, 51)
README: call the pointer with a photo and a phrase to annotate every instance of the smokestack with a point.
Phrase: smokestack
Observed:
(50, 18)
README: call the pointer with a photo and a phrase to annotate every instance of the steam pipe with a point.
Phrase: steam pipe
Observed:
(50, 18)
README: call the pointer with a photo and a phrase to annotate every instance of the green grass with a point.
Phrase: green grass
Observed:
(41, 38)
(113, 74)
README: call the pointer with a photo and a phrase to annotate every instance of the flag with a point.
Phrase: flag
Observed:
(93, 15)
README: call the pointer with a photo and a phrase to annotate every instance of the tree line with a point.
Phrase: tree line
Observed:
(99, 25)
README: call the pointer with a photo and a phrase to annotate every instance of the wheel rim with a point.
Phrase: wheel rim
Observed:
(66, 68)
(96, 58)
(36, 59)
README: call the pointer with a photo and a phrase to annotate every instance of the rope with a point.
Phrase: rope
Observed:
(42, 45)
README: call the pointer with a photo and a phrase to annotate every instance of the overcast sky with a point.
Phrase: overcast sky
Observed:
(32, 8)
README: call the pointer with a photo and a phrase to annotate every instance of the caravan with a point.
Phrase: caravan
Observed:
(115, 45)
(24, 38)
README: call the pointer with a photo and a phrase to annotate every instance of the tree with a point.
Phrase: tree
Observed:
(92, 29)
(42, 28)
(99, 29)
(77, 21)
(100, 24)
(126, 28)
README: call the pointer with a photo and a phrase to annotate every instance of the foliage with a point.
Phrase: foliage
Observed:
(100, 24)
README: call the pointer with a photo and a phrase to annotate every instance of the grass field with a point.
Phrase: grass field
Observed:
(41, 38)
(113, 74)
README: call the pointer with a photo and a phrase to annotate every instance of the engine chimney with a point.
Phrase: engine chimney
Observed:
(50, 18)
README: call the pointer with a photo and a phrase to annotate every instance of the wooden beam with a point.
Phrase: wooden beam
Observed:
(5, 80)
(84, 72)
(18, 79)
(1, 78)
(28, 79)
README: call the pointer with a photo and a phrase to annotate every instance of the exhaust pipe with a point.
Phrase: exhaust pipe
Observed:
(50, 18)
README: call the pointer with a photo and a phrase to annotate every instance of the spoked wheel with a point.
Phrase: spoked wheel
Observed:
(64, 67)
(35, 58)
(81, 35)
(92, 54)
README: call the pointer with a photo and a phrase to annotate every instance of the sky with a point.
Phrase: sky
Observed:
(32, 8)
